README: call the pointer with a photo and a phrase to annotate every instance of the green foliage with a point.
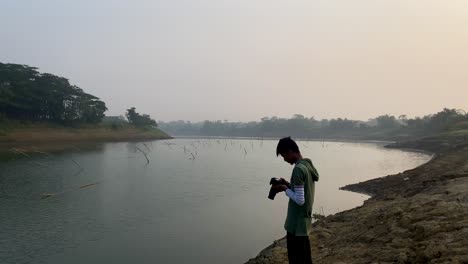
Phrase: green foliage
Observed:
(138, 120)
(115, 122)
(387, 121)
(342, 124)
(444, 119)
(26, 94)
(385, 127)
(462, 125)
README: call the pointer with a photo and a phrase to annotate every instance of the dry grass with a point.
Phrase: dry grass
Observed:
(46, 134)
(54, 139)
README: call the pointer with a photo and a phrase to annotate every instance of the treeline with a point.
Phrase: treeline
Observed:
(26, 94)
(381, 127)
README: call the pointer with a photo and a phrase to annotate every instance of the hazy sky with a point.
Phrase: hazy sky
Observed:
(245, 59)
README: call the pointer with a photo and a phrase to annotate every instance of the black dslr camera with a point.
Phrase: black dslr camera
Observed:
(275, 182)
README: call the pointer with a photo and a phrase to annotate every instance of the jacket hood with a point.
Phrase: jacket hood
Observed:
(308, 164)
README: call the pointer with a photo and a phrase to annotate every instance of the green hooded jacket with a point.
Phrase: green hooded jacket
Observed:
(299, 217)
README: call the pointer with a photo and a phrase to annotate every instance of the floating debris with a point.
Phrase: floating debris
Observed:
(88, 185)
(47, 195)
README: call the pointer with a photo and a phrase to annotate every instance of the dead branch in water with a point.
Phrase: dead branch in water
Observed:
(47, 195)
(41, 152)
(23, 152)
(193, 156)
(41, 164)
(144, 153)
(146, 147)
(18, 151)
(77, 164)
(88, 185)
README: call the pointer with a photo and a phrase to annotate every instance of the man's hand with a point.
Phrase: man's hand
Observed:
(280, 188)
(288, 185)
(282, 179)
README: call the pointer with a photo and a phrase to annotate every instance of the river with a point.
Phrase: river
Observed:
(196, 201)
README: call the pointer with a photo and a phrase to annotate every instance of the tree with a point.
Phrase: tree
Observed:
(138, 120)
(27, 94)
(132, 115)
(387, 121)
(444, 119)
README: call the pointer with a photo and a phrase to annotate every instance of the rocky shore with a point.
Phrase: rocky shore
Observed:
(417, 216)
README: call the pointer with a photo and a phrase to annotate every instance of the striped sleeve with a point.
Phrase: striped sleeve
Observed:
(297, 195)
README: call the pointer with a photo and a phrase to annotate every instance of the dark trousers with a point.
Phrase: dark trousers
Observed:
(298, 249)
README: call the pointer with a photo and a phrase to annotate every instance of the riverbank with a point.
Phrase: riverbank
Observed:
(417, 216)
(45, 138)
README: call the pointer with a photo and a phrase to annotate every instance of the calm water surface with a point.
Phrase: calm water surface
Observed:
(209, 207)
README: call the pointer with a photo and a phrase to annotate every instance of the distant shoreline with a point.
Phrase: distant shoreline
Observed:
(350, 140)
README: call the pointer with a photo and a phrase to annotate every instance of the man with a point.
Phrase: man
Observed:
(301, 198)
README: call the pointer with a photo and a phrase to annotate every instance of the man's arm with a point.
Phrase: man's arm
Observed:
(297, 195)
(298, 181)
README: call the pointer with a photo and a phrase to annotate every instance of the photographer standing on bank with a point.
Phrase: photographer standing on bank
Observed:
(301, 193)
